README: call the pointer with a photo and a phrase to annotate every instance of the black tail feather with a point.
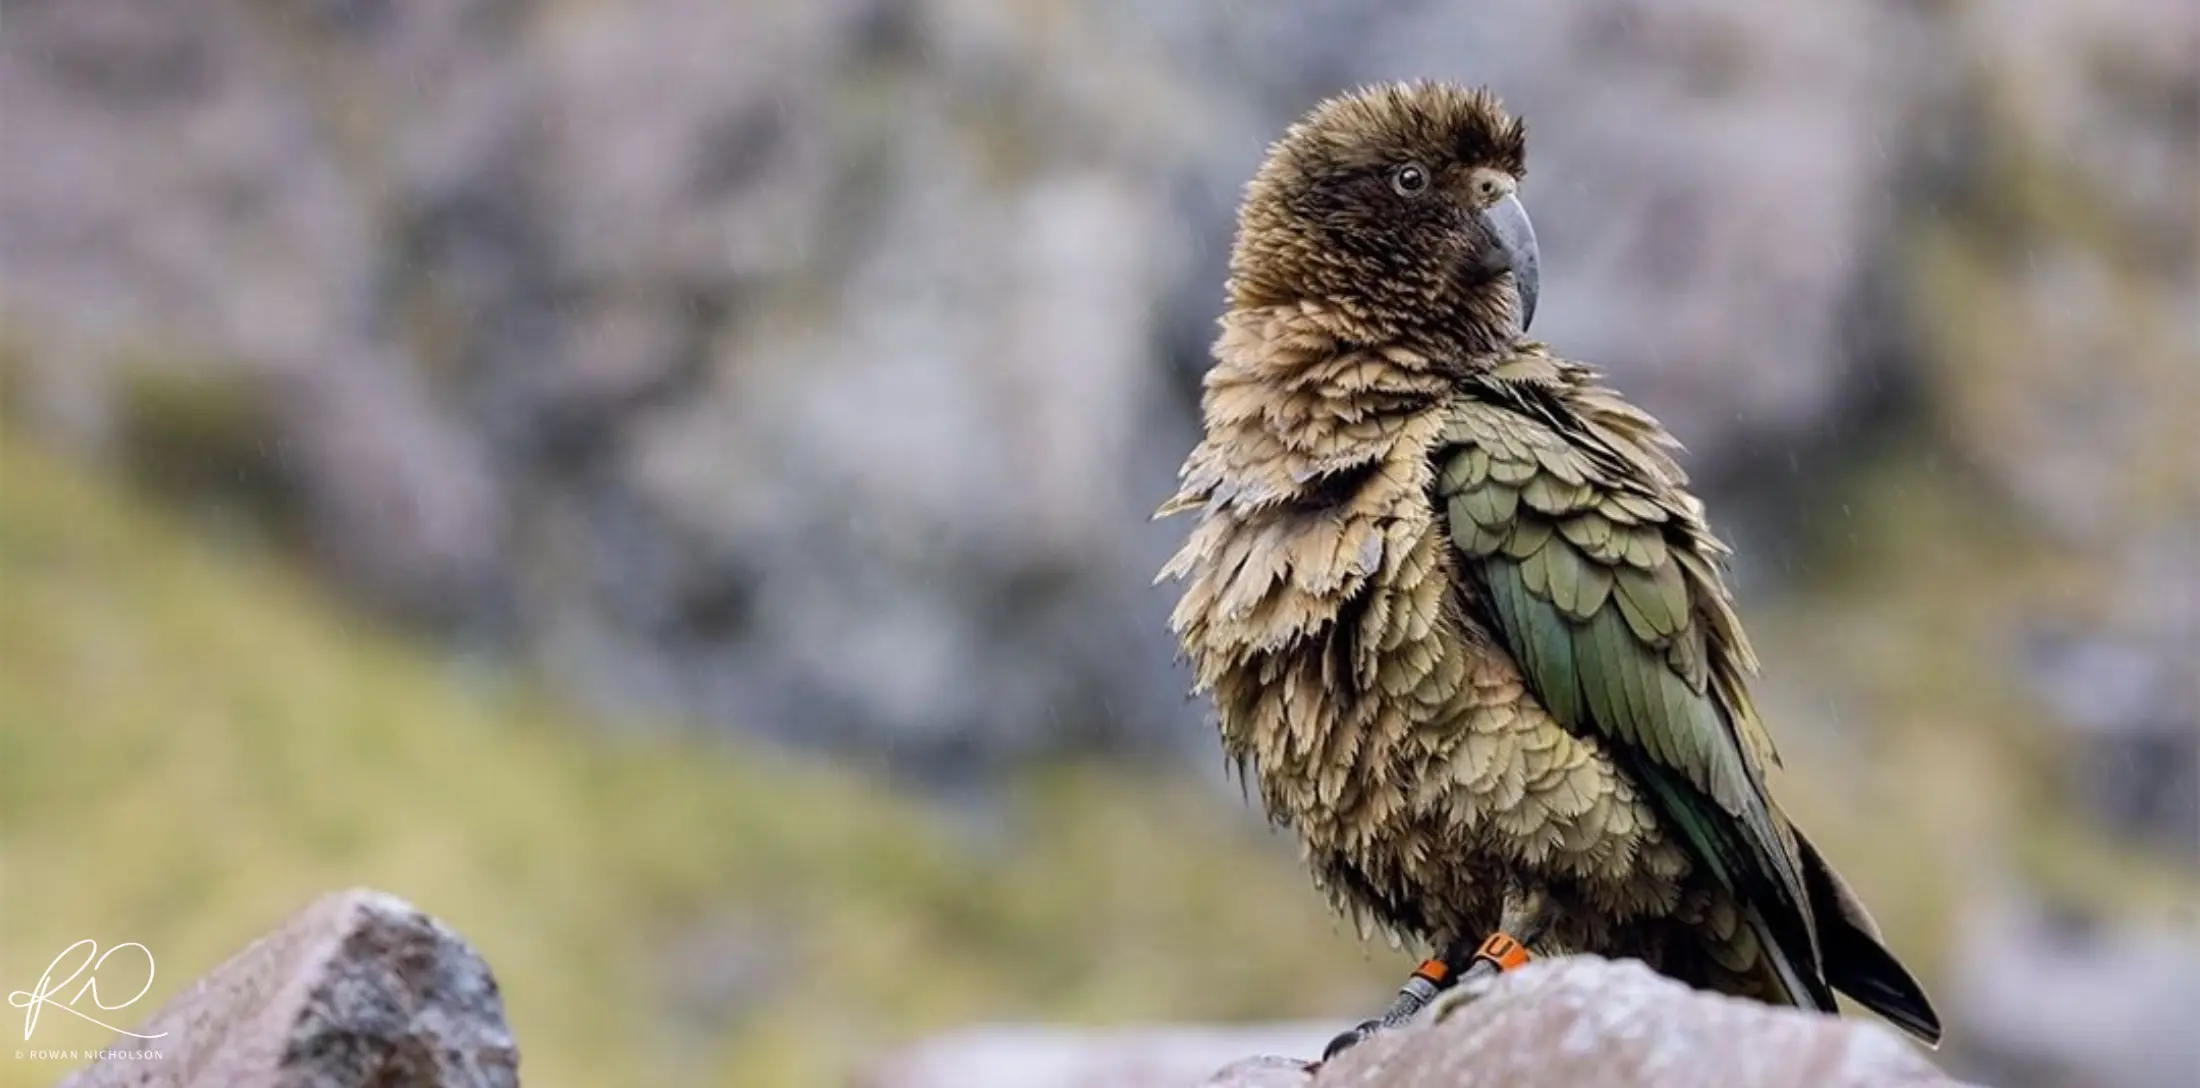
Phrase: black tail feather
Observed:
(1856, 963)
(1859, 967)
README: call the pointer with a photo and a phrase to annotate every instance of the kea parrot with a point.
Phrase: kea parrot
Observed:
(1462, 621)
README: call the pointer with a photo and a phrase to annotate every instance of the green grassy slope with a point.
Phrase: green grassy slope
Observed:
(195, 742)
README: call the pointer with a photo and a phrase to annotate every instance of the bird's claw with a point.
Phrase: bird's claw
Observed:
(1350, 1039)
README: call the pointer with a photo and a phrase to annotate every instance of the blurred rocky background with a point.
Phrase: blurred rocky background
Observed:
(664, 486)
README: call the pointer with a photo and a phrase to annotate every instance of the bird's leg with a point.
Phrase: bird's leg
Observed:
(1521, 925)
(1525, 919)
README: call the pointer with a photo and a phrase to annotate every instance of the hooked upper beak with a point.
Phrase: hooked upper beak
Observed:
(1508, 225)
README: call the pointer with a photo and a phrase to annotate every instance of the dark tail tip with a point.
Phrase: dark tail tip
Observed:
(1855, 962)
(1858, 966)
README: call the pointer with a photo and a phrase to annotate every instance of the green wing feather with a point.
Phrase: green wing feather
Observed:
(1602, 579)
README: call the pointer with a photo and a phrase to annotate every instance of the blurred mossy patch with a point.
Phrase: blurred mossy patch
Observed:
(195, 742)
(14, 368)
(205, 436)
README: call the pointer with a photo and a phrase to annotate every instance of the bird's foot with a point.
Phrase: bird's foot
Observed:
(1496, 955)
(1433, 977)
(1350, 1039)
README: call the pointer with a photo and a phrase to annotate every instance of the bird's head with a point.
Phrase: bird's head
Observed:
(1396, 205)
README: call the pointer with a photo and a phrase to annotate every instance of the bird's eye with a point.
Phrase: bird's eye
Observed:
(1410, 179)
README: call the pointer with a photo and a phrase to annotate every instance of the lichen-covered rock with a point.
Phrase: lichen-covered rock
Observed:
(1577, 1022)
(358, 990)
(1584, 1022)
(1030, 1056)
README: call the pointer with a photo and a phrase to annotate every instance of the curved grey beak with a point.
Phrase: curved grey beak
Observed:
(1508, 224)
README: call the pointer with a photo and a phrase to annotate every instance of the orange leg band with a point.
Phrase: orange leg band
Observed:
(1502, 951)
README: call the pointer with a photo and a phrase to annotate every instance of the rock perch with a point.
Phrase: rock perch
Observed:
(1575, 1022)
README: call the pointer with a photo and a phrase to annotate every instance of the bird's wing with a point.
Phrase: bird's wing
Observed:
(1598, 574)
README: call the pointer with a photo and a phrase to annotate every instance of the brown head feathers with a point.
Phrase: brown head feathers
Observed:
(1376, 206)
(1438, 122)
